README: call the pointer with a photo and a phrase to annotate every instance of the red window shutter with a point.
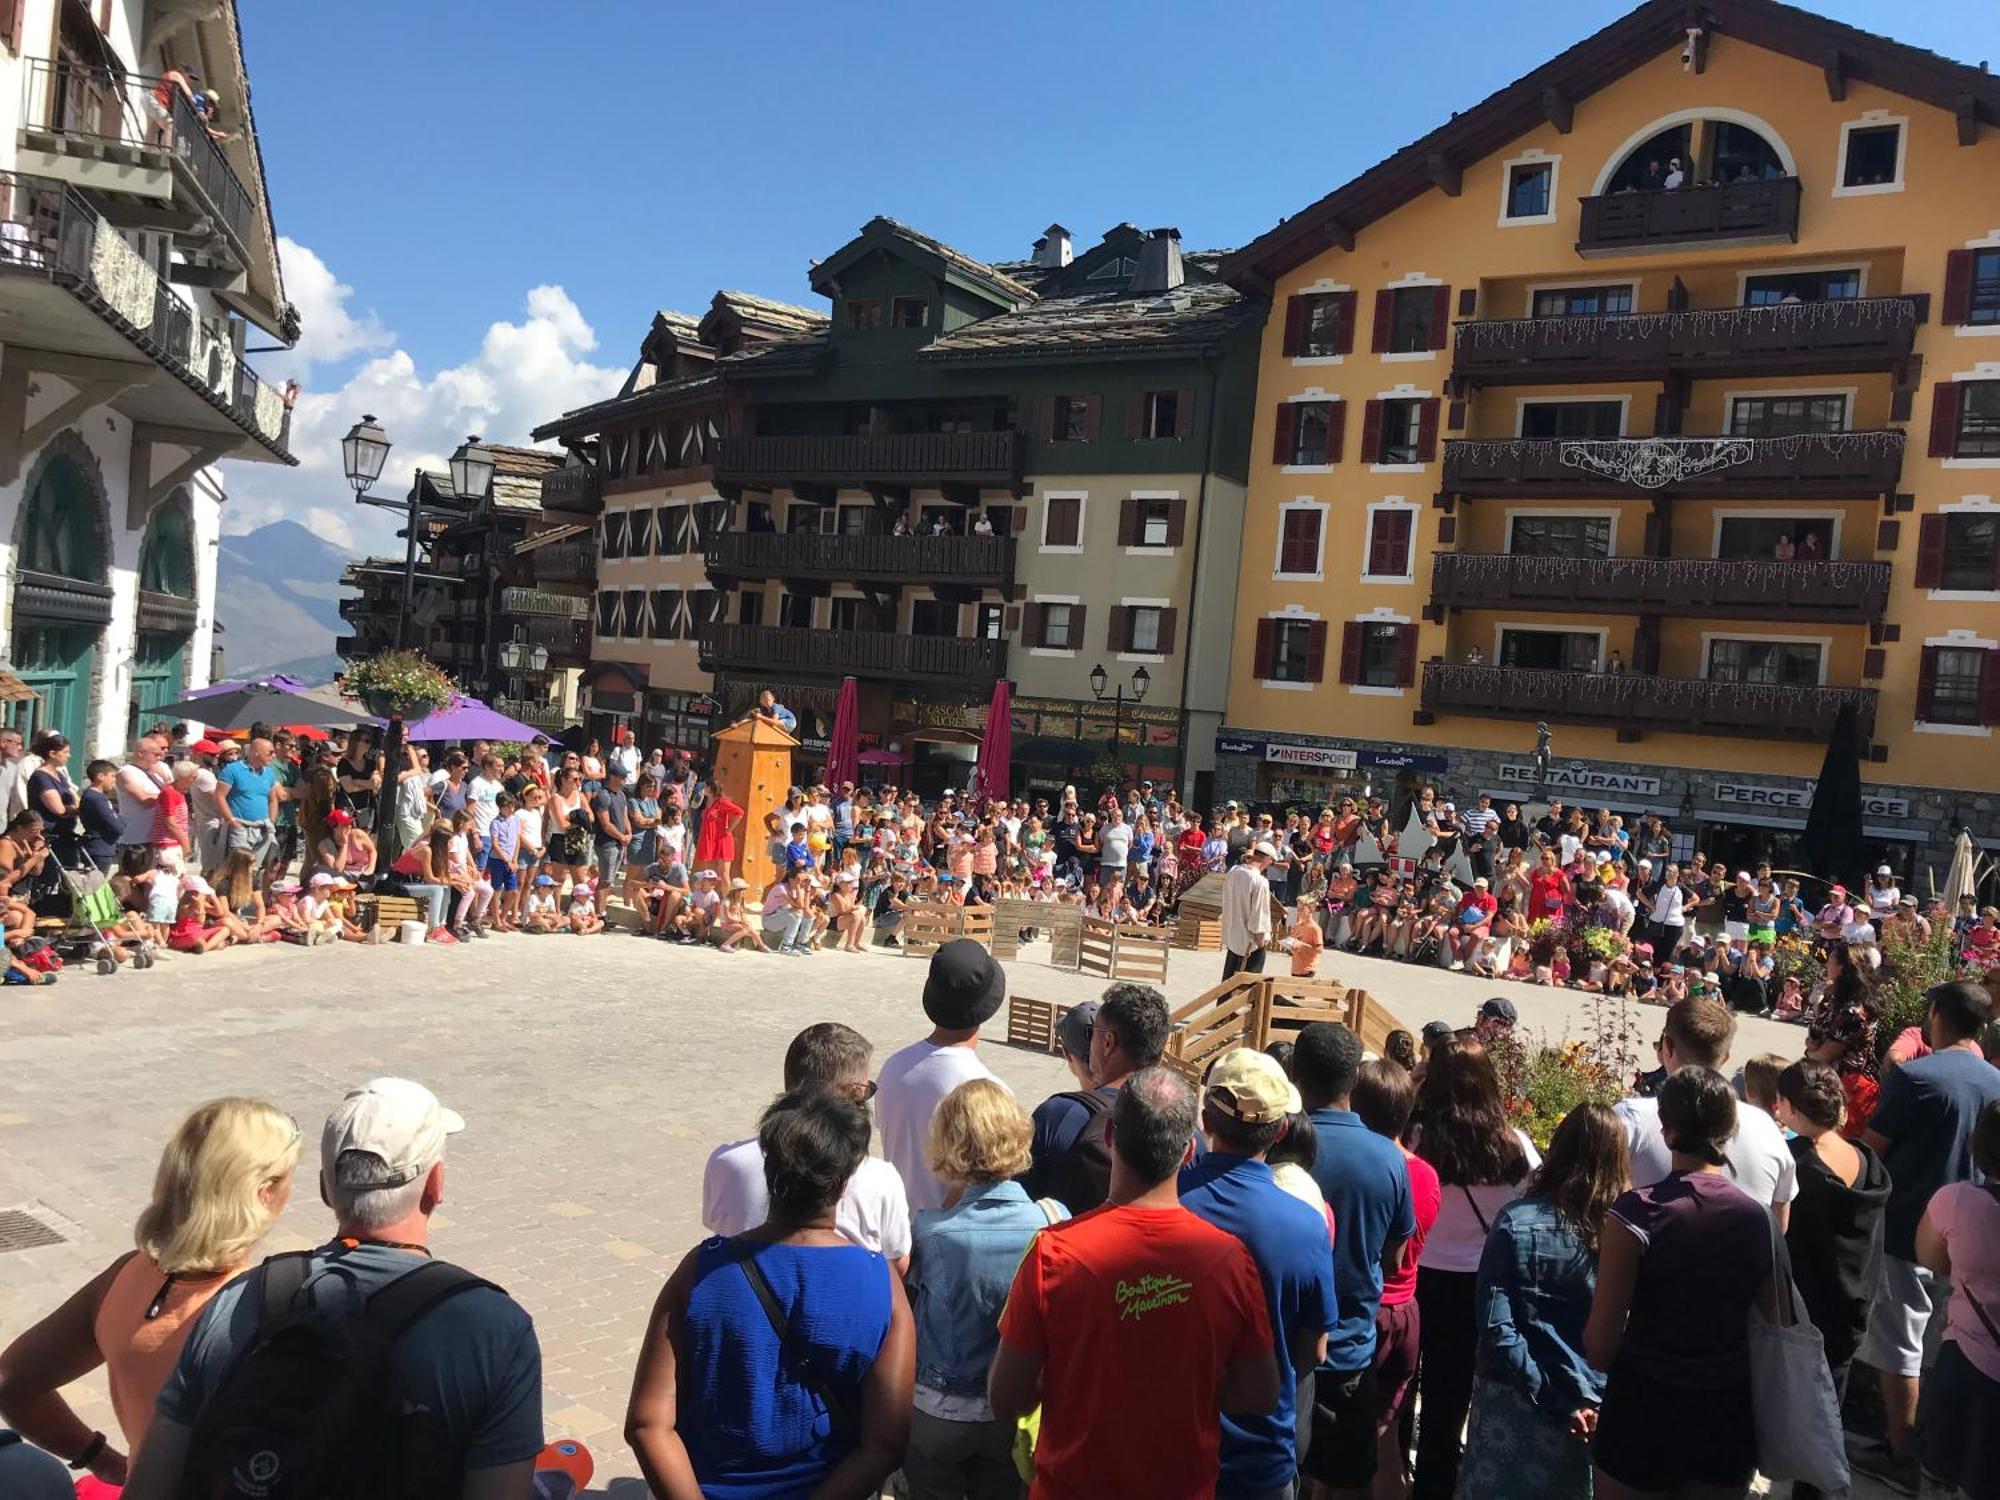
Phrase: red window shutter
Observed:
(1176, 520)
(1093, 417)
(1944, 419)
(1957, 287)
(1183, 413)
(1119, 631)
(1406, 655)
(1295, 325)
(1169, 624)
(1135, 415)
(1350, 651)
(1441, 317)
(1267, 649)
(1989, 688)
(1336, 429)
(1385, 312)
(1927, 683)
(1286, 430)
(1389, 544)
(1315, 651)
(1930, 552)
(1128, 522)
(1371, 433)
(1300, 552)
(1343, 321)
(1048, 419)
(1427, 430)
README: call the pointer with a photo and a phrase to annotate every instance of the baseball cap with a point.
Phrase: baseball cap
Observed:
(395, 1119)
(1480, 882)
(1498, 1008)
(340, 817)
(1883, 870)
(704, 874)
(545, 880)
(1250, 1086)
(1264, 850)
(1435, 1032)
(1074, 1029)
(847, 877)
(321, 879)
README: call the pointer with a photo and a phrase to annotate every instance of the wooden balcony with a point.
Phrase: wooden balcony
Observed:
(974, 459)
(565, 562)
(1814, 465)
(781, 650)
(1741, 213)
(1755, 588)
(1634, 702)
(566, 641)
(1792, 338)
(975, 561)
(574, 487)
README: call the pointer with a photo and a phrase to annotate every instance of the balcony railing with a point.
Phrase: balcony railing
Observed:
(577, 487)
(1756, 587)
(986, 458)
(49, 229)
(1680, 705)
(983, 560)
(522, 601)
(565, 562)
(560, 638)
(541, 714)
(839, 653)
(1830, 464)
(1765, 211)
(79, 106)
(1854, 334)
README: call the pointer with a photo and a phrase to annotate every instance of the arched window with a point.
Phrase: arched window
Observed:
(58, 534)
(166, 556)
(1704, 149)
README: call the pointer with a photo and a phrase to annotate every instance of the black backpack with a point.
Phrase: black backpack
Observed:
(306, 1412)
(1080, 1175)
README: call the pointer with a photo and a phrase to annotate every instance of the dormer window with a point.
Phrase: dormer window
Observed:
(1115, 269)
(909, 312)
(864, 312)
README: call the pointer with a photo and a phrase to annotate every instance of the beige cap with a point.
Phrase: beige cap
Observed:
(395, 1119)
(1250, 1086)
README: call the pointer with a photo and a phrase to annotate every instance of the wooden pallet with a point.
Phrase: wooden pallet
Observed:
(1033, 1023)
(1254, 1010)
(1197, 932)
(928, 925)
(1123, 950)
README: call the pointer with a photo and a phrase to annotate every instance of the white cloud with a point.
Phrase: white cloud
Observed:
(522, 374)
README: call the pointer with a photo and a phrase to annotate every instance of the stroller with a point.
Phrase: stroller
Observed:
(94, 906)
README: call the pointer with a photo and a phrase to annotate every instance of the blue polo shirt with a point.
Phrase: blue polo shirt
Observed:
(249, 791)
(1288, 1241)
(1362, 1175)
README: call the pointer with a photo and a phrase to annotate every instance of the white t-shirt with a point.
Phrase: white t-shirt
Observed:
(1465, 1214)
(1669, 910)
(483, 797)
(910, 1086)
(872, 1212)
(531, 827)
(1114, 846)
(1567, 845)
(1882, 901)
(818, 815)
(1759, 1161)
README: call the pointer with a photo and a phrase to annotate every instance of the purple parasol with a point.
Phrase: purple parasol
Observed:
(468, 719)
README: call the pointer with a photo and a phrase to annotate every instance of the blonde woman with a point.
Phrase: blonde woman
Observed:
(962, 1260)
(223, 1180)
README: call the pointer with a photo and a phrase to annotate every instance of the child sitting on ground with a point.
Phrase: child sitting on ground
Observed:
(543, 913)
(1791, 1001)
(288, 921)
(316, 906)
(583, 917)
(191, 932)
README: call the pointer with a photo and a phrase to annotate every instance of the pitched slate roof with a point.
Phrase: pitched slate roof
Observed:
(979, 272)
(768, 313)
(1592, 64)
(1103, 324)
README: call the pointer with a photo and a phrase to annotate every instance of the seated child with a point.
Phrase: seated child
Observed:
(191, 932)
(544, 913)
(583, 917)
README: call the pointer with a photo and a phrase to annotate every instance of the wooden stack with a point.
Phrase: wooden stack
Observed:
(1198, 925)
(1032, 1023)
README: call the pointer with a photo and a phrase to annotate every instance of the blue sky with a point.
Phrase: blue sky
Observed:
(483, 203)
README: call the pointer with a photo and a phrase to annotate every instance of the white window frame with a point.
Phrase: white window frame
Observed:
(1710, 637)
(1409, 573)
(1546, 512)
(1534, 156)
(1145, 656)
(1624, 400)
(1291, 614)
(1984, 370)
(1403, 392)
(1138, 549)
(1320, 288)
(1979, 330)
(1850, 394)
(1403, 284)
(1058, 652)
(1769, 513)
(1966, 505)
(1873, 119)
(1633, 282)
(1542, 627)
(1382, 614)
(1859, 266)
(1318, 574)
(1314, 393)
(1082, 499)
(1639, 137)
(1958, 640)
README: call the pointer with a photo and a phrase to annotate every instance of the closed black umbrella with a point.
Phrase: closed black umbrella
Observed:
(1833, 840)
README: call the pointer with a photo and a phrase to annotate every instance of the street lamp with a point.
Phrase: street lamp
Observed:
(1099, 680)
(472, 468)
(363, 452)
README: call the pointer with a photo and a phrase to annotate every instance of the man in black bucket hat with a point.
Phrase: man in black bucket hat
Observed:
(964, 989)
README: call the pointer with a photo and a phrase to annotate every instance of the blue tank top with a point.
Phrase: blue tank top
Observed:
(751, 1431)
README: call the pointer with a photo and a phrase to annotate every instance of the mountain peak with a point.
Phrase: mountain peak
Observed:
(278, 592)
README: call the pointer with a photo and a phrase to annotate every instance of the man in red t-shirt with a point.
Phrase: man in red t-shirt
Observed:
(1136, 1325)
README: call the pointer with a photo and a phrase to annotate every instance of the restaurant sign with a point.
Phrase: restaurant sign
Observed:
(1579, 777)
(1800, 799)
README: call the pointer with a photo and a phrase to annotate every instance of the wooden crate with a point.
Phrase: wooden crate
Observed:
(1217, 1020)
(1033, 1023)
(1124, 951)
(1198, 932)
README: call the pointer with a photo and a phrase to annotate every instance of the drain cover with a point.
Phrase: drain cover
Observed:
(23, 1231)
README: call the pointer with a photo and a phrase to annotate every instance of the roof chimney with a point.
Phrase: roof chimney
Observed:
(1159, 263)
(1053, 248)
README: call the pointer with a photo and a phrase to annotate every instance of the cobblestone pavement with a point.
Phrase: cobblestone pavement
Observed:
(594, 1075)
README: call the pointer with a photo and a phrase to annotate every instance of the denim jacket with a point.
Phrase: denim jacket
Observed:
(962, 1264)
(1535, 1284)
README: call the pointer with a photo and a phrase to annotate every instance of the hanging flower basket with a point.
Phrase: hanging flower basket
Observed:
(400, 685)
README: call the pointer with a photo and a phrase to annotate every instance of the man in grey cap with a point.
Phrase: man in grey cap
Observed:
(1246, 911)
(465, 1362)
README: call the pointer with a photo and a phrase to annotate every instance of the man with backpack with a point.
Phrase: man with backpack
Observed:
(1072, 1156)
(363, 1367)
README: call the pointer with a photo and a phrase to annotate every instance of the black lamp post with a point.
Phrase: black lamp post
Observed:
(1099, 680)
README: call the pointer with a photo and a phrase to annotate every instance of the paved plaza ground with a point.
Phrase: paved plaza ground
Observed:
(595, 1076)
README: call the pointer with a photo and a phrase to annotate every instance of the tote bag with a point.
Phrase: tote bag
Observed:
(1792, 1401)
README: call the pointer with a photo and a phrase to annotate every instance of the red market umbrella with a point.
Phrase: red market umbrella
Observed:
(843, 745)
(993, 779)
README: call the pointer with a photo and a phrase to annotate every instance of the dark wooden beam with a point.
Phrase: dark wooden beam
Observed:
(1835, 68)
(1444, 172)
(1967, 110)
(1557, 109)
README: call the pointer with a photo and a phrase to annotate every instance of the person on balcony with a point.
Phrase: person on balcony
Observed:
(983, 526)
